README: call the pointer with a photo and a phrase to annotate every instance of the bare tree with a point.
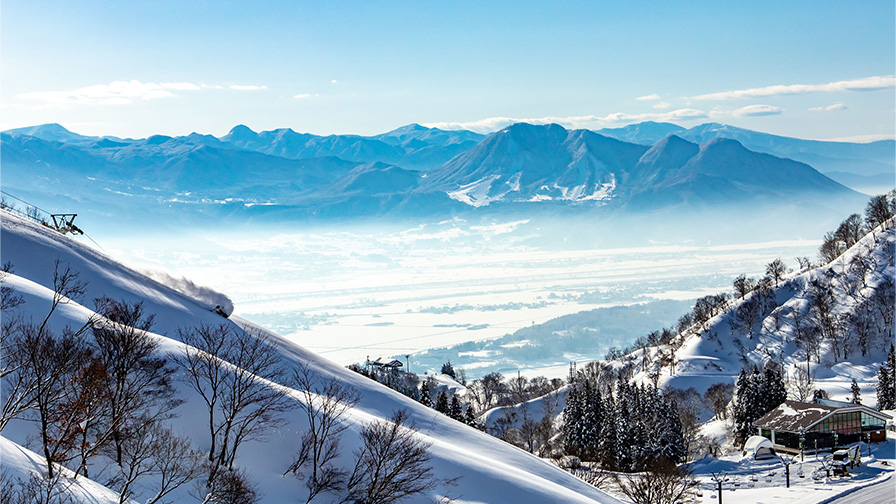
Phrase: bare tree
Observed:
(67, 287)
(138, 382)
(153, 451)
(743, 285)
(19, 382)
(822, 303)
(664, 483)
(884, 301)
(232, 487)
(807, 334)
(9, 299)
(38, 489)
(326, 404)
(45, 375)
(861, 324)
(53, 364)
(490, 390)
(718, 397)
(859, 267)
(205, 371)
(595, 475)
(831, 248)
(776, 270)
(546, 430)
(878, 211)
(851, 230)
(748, 313)
(237, 374)
(392, 464)
(801, 385)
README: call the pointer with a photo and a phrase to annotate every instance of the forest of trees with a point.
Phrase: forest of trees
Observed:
(631, 429)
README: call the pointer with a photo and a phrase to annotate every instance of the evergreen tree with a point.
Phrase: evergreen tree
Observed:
(455, 411)
(747, 403)
(572, 422)
(856, 392)
(627, 449)
(669, 437)
(426, 395)
(592, 419)
(886, 382)
(470, 418)
(609, 448)
(442, 403)
(771, 389)
(448, 369)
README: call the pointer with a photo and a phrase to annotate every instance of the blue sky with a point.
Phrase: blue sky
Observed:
(812, 69)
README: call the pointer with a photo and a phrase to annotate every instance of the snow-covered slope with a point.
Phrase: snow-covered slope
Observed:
(719, 351)
(489, 470)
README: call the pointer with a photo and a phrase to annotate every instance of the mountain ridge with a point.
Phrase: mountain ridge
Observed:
(524, 166)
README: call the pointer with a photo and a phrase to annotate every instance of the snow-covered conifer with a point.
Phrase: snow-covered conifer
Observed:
(886, 382)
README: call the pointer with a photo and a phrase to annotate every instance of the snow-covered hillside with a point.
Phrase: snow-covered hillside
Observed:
(487, 470)
(859, 284)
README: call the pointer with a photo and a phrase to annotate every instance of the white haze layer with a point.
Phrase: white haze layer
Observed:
(350, 293)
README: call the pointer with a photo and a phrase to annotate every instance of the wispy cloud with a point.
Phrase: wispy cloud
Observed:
(662, 105)
(757, 111)
(114, 93)
(302, 96)
(866, 84)
(123, 93)
(249, 87)
(650, 97)
(835, 106)
(589, 121)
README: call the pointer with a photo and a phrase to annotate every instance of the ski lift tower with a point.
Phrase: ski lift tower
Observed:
(65, 223)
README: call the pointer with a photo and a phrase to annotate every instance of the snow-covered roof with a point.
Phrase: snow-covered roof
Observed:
(791, 416)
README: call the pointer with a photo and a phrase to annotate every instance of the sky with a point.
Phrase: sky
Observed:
(808, 69)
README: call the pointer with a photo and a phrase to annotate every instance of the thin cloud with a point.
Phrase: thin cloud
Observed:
(491, 124)
(114, 93)
(835, 106)
(866, 84)
(650, 97)
(757, 111)
(662, 106)
(302, 96)
(249, 87)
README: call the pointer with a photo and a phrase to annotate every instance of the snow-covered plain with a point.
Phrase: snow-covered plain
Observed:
(349, 293)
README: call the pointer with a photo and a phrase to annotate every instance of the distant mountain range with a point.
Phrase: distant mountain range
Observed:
(416, 170)
(867, 167)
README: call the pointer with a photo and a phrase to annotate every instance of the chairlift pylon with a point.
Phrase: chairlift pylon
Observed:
(65, 223)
